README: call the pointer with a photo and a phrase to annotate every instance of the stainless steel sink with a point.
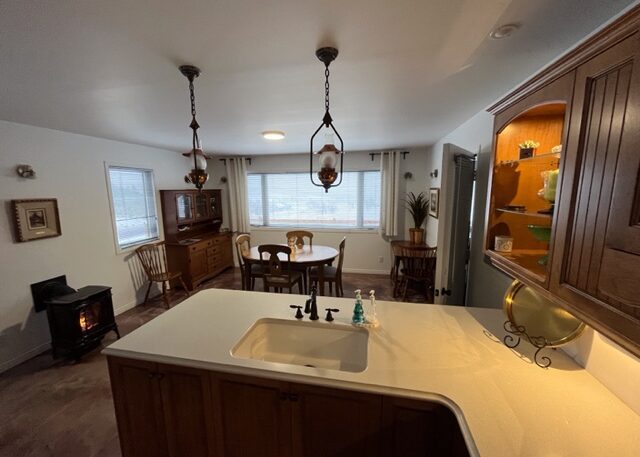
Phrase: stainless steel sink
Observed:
(316, 344)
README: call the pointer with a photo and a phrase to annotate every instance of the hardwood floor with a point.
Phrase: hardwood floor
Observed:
(63, 409)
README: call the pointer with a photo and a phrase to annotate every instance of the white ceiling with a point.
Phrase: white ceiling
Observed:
(409, 71)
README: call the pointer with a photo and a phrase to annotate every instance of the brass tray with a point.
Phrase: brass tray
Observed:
(540, 316)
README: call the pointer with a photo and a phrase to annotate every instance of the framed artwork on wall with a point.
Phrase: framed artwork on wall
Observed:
(434, 202)
(35, 219)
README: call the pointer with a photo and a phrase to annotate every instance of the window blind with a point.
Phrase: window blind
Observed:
(134, 205)
(291, 200)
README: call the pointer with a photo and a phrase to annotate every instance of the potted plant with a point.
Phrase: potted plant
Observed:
(418, 206)
(527, 147)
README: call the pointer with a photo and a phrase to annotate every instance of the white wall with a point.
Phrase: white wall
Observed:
(363, 248)
(70, 168)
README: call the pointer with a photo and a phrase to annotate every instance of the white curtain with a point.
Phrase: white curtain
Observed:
(238, 201)
(390, 172)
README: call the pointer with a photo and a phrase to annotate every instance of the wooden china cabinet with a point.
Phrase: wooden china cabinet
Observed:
(195, 245)
(573, 208)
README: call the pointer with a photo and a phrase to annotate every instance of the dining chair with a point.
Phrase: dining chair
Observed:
(277, 273)
(300, 235)
(243, 246)
(331, 274)
(153, 257)
(417, 267)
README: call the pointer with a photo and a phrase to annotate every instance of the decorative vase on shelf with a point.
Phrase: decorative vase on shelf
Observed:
(525, 153)
(548, 191)
(541, 233)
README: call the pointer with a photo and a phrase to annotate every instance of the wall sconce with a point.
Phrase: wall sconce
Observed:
(25, 171)
(434, 173)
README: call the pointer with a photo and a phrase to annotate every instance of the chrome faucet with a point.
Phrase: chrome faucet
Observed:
(310, 306)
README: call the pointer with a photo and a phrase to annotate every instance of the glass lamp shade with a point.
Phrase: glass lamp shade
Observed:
(328, 155)
(201, 160)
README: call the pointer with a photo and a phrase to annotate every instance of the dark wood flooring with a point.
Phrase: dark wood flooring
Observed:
(62, 409)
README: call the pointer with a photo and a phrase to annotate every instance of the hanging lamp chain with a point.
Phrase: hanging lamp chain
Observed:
(326, 87)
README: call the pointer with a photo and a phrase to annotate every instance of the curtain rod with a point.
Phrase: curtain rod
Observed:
(373, 154)
(248, 159)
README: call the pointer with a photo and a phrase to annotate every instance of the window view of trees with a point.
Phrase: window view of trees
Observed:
(290, 199)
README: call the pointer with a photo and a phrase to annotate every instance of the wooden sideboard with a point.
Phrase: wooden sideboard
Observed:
(588, 102)
(195, 246)
(201, 260)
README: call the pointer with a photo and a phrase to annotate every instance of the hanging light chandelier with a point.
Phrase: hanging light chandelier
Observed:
(328, 154)
(198, 175)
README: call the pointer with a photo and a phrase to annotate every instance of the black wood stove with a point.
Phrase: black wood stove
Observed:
(78, 319)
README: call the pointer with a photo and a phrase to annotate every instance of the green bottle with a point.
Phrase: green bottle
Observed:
(358, 311)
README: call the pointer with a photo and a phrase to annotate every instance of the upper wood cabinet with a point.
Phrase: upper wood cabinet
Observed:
(592, 259)
(518, 207)
(188, 212)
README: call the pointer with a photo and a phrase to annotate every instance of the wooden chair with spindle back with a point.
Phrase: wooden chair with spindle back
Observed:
(418, 266)
(243, 246)
(277, 273)
(153, 257)
(331, 274)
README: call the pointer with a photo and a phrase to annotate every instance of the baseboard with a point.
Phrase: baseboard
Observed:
(123, 308)
(366, 272)
(31, 353)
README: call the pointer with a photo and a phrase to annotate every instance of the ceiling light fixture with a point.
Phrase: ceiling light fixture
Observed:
(273, 135)
(503, 31)
(198, 175)
(328, 154)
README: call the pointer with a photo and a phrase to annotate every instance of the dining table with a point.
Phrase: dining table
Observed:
(301, 256)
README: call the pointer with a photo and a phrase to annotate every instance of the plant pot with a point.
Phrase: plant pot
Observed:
(416, 236)
(525, 153)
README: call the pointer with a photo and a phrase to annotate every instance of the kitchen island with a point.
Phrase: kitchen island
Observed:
(503, 404)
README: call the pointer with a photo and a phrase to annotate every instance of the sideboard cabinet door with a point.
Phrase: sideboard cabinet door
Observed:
(598, 270)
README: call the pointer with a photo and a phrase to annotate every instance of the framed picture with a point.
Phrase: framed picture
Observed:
(35, 219)
(434, 201)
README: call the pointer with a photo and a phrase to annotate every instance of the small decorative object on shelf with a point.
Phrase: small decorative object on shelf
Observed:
(548, 191)
(519, 208)
(503, 243)
(514, 335)
(526, 148)
(541, 233)
(556, 149)
(358, 311)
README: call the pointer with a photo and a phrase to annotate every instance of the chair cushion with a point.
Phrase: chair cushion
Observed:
(329, 272)
(295, 276)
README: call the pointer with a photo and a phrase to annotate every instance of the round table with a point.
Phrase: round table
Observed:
(307, 256)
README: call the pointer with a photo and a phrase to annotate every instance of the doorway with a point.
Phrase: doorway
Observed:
(457, 190)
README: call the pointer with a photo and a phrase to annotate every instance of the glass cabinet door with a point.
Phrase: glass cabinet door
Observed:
(201, 206)
(184, 208)
(214, 210)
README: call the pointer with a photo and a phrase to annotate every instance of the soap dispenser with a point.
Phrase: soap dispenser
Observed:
(358, 311)
(372, 319)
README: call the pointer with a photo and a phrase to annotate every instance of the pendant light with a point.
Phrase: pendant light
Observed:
(328, 154)
(198, 175)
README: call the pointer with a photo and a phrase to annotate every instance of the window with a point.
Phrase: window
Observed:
(133, 205)
(290, 200)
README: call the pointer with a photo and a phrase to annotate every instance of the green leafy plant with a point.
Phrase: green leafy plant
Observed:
(418, 206)
(529, 144)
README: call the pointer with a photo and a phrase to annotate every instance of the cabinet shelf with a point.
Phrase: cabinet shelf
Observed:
(548, 155)
(527, 259)
(525, 213)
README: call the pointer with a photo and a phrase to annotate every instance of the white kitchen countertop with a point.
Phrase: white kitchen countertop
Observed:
(506, 405)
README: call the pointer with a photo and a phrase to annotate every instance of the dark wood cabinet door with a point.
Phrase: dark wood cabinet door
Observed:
(598, 270)
(335, 423)
(198, 263)
(419, 429)
(253, 416)
(188, 412)
(138, 405)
